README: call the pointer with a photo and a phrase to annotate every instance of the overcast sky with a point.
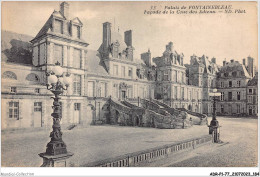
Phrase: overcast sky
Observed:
(230, 36)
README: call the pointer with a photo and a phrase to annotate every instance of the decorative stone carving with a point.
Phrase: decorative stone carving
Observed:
(123, 86)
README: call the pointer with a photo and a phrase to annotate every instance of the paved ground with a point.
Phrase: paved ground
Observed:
(92, 143)
(101, 142)
(239, 148)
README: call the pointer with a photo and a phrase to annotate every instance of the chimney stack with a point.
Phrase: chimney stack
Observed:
(146, 57)
(244, 61)
(128, 38)
(250, 64)
(64, 9)
(213, 60)
(232, 61)
(224, 63)
(106, 34)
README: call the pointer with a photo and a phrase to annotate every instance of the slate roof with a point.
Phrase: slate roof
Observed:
(254, 81)
(235, 66)
(45, 28)
(16, 48)
(116, 36)
(94, 64)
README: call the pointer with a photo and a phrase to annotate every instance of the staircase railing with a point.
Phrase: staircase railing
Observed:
(120, 106)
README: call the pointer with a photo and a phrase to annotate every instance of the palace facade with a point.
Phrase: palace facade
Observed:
(113, 71)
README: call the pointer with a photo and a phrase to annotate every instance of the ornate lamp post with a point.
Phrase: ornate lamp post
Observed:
(56, 152)
(214, 125)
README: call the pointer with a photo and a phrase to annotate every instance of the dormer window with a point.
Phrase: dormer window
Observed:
(76, 31)
(58, 28)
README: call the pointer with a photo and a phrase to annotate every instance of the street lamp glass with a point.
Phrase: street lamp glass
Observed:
(67, 80)
(57, 70)
(52, 79)
(61, 80)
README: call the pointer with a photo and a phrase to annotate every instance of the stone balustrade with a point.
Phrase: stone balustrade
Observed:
(149, 155)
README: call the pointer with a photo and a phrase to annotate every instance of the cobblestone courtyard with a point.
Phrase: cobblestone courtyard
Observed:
(95, 143)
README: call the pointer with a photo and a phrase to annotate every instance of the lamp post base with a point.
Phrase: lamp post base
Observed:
(55, 160)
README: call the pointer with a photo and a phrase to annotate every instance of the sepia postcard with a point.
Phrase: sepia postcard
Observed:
(129, 84)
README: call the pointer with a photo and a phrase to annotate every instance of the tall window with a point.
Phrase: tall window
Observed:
(182, 93)
(90, 88)
(14, 110)
(222, 96)
(77, 85)
(123, 71)
(77, 58)
(221, 84)
(165, 75)
(238, 95)
(37, 106)
(115, 70)
(238, 108)
(229, 96)
(179, 76)
(183, 78)
(238, 83)
(175, 92)
(130, 72)
(103, 89)
(230, 83)
(250, 91)
(77, 106)
(174, 77)
(76, 31)
(250, 100)
(58, 53)
(58, 26)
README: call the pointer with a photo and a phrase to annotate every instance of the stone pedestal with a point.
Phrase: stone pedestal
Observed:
(55, 160)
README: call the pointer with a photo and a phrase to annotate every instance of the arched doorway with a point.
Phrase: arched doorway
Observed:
(90, 115)
(137, 122)
(117, 119)
(190, 108)
(152, 124)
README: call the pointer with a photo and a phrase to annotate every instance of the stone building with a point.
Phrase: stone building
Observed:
(202, 73)
(172, 86)
(252, 96)
(110, 76)
(232, 82)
